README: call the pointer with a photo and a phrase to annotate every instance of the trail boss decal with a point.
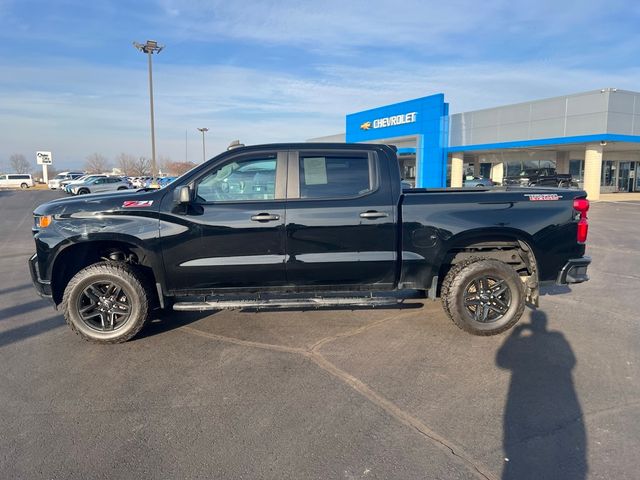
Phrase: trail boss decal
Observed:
(543, 197)
(137, 203)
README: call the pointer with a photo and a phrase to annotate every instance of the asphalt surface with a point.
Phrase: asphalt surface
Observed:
(384, 393)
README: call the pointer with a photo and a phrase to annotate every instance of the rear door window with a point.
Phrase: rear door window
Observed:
(336, 176)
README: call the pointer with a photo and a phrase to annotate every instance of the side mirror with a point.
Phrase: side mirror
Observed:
(184, 194)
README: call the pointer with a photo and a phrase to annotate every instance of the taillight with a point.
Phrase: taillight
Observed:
(581, 205)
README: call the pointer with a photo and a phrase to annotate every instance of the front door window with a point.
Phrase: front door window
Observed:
(242, 180)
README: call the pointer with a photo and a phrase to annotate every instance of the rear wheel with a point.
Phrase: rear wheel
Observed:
(483, 296)
(106, 302)
(122, 188)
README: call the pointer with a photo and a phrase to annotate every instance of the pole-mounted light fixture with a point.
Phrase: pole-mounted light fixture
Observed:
(204, 156)
(150, 48)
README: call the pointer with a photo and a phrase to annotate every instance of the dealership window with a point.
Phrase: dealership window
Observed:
(485, 170)
(608, 173)
(408, 168)
(336, 176)
(576, 169)
(515, 167)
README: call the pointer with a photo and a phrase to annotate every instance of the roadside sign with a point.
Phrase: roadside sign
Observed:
(44, 158)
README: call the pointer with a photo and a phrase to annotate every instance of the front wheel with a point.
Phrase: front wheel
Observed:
(106, 302)
(483, 296)
(83, 191)
(24, 186)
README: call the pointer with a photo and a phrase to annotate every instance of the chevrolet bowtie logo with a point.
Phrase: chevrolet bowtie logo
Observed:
(365, 126)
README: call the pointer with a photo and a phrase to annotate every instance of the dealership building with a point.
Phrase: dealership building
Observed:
(594, 135)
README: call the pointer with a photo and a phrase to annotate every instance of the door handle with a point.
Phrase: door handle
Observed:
(265, 217)
(371, 214)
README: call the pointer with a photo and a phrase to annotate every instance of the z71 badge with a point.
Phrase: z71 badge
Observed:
(137, 203)
(542, 197)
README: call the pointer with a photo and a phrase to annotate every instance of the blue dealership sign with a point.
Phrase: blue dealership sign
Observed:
(425, 118)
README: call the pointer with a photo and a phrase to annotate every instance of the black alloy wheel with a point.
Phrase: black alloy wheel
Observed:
(107, 302)
(104, 306)
(488, 299)
(483, 296)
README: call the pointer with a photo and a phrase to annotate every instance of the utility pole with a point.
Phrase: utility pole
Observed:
(204, 155)
(149, 48)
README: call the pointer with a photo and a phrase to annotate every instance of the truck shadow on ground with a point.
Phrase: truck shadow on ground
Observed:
(162, 321)
(543, 431)
(29, 330)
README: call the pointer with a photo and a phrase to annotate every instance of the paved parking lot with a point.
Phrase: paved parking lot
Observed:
(384, 393)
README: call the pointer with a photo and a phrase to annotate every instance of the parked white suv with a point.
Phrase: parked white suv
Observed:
(15, 180)
(54, 183)
(100, 184)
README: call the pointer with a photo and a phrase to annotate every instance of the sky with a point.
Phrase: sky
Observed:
(71, 81)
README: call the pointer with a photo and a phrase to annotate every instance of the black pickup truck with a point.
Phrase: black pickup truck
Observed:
(304, 225)
(540, 177)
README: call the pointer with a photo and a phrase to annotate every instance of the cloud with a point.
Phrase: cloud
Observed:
(286, 70)
(99, 108)
(463, 28)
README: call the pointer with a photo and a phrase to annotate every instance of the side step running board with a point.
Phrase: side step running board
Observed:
(316, 302)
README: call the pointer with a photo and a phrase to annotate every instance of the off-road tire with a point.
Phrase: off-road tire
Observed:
(448, 280)
(460, 277)
(134, 287)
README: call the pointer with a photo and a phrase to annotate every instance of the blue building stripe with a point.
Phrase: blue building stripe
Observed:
(607, 137)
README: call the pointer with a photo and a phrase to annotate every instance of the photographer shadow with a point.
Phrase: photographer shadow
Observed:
(543, 432)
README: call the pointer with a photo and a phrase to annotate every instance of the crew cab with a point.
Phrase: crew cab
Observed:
(299, 225)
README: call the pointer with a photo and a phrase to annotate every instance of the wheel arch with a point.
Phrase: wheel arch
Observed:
(511, 246)
(78, 255)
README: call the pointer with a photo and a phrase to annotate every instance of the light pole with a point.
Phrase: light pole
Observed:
(149, 48)
(204, 156)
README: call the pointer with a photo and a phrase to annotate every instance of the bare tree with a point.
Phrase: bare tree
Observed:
(96, 163)
(178, 168)
(141, 167)
(126, 163)
(19, 163)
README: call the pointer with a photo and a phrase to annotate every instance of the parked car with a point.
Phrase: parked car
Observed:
(164, 181)
(540, 177)
(100, 184)
(141, 182)
(16, 180)
(300, 225)
(57, 181)
(472, 181)
(66, 185)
